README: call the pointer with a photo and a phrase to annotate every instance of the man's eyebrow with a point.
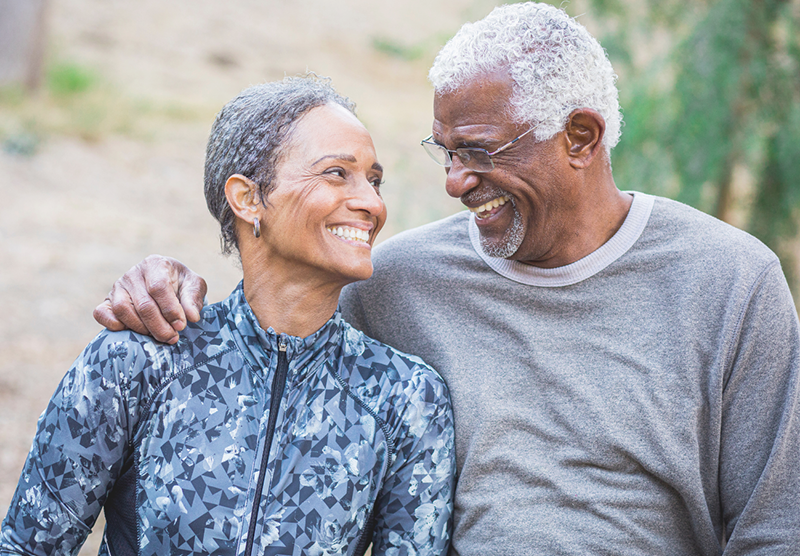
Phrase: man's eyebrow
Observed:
(468, 143)
(479, 142)
(474, 144)
(347, 157)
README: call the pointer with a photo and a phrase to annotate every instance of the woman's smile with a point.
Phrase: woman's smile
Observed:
(351, 234)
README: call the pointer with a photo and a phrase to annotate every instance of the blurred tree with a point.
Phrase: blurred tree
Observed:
(22, 39)
(714, 106)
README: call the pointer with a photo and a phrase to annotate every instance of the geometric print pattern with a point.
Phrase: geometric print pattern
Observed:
(169, 439)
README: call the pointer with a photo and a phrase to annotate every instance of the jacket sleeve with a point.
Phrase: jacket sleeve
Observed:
(414, 510)
(77, 453)
(760, 436)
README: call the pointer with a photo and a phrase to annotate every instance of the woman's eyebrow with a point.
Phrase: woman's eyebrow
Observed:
(347, 157)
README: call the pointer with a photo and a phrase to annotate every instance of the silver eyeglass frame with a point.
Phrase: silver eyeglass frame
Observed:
(464, 154)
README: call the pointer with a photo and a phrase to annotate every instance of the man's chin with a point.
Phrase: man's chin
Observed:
(497, 249)
(504, 247)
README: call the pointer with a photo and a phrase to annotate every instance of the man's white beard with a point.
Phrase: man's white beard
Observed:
(510, 242)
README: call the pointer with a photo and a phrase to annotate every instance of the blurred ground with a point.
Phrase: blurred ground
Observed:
(93, 181)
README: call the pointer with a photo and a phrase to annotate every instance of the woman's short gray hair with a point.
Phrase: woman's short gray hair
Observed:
(248, 137)
(556, 65)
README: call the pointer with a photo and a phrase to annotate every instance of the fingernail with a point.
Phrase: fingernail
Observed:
(178, 325)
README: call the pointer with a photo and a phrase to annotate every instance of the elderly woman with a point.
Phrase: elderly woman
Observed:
(272, 426)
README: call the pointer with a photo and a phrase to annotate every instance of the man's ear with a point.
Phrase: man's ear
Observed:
(243, 197)
(584, 134)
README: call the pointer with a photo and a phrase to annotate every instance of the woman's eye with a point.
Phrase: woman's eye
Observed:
(377, 182)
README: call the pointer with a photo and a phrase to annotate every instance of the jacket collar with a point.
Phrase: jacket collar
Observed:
(261, 346)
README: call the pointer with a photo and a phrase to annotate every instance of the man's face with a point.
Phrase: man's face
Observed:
(521, 206)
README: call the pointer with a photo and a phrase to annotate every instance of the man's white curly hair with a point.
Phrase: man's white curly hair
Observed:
(556, 65)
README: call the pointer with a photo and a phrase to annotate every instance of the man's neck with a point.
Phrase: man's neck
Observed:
(600, 224)
(589, 229)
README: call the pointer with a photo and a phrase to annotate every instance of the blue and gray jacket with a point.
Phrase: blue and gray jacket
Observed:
(240, 441)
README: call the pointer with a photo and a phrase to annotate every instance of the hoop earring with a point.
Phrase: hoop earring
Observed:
(256, 227)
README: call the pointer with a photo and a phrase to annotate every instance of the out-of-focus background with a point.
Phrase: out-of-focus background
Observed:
(105, 106)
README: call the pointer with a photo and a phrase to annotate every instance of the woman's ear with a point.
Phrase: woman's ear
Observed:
(584, 133)
(243, 197)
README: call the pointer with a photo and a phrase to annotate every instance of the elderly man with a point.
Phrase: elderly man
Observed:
(625, 370)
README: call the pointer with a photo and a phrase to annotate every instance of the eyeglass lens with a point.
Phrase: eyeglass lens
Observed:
(438, 153)
(474, 159)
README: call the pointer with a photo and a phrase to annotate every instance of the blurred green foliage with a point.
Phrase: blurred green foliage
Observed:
(77, 102)
(395, 49)
(65, 78)
(712, 108)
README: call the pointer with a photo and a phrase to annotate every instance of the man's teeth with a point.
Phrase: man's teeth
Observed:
(350, 233)
(494, 203)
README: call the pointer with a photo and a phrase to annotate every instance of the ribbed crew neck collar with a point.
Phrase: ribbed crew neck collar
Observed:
(580, 270)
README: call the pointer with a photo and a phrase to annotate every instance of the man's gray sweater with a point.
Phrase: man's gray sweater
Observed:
(644, 400)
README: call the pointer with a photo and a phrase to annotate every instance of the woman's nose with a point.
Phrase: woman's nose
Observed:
(368, 199)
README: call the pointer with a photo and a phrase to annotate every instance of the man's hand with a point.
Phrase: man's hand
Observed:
(155, 297)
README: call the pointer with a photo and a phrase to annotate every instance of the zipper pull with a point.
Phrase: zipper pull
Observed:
(282, 345)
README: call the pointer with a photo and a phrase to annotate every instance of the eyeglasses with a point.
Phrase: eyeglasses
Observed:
(473, 158)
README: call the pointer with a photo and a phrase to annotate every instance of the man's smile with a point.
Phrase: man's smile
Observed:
(487, 209)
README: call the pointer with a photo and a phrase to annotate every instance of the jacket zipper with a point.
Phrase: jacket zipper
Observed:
(278, 385)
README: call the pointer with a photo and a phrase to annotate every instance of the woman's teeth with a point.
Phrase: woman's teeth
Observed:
(353, 234)
(494, 203)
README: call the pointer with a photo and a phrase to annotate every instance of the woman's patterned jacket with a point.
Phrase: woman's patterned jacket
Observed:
(240, 441)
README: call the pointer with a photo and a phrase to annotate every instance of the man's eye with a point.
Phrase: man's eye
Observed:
(336, 172)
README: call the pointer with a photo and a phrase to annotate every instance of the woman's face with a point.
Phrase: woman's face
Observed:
(325, 211)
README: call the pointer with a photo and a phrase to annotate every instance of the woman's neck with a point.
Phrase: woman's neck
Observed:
(287, 302)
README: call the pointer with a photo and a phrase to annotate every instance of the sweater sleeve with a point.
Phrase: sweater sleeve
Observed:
(352, 309)
(77, 453)
(760, 434)
(413, 512)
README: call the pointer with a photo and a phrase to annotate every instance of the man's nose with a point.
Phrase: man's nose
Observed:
(460, 179)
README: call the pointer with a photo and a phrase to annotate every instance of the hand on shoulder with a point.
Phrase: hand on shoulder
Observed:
(157, 297)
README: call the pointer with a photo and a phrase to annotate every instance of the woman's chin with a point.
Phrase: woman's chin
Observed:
(358, 273)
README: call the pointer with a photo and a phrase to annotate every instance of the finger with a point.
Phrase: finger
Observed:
(104, 315)
(161, 285)
(148, 317)
(192, 291)
(121, 305)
